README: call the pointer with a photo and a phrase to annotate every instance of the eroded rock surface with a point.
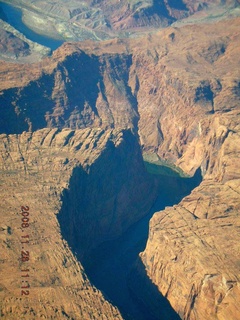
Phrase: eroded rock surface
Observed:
(41, 170)
(180, 92)
(192, 253)
(14, 46)
(101, 20)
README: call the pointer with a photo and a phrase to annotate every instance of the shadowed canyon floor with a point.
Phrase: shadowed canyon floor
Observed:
(71, 125)
(110, 265)
(38, 171)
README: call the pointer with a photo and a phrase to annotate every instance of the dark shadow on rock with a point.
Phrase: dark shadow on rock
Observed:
(70, 216)
(112, 266)
(177, 4)
(23, 110)
(148, 296)
(107, 196)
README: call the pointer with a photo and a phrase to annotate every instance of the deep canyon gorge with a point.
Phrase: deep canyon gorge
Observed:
(126, 153)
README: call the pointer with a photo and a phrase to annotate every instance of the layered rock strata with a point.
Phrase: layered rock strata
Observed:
(181, 93)
(193, 248)
(192, 254)
(40, 170)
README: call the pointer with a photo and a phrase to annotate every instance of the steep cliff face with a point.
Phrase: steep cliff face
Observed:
(181, 93)
(45, 171)
(193, 248)
(174, 85)
(80, 91)
(101, 204)
(183, 83)
(193, 120)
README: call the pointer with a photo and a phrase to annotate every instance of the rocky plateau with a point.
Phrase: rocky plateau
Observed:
(77, 121)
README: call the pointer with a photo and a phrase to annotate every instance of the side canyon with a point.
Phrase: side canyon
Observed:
(73, 129)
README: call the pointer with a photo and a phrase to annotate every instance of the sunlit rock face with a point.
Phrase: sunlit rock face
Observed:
(180, 94)
(93, 182)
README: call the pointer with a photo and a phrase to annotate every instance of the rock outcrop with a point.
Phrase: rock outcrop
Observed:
(180, 92)
(101, 20)
(16, 47)
(75, 90)
(193, 248)
(48, 172)
(12, 45)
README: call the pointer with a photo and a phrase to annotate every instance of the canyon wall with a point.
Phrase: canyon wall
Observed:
(75, 90)
(180, 93)
(193, 248)
(44, 172)
(114, 194)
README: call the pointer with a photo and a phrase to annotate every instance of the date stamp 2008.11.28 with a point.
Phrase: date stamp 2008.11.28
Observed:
(25, 252)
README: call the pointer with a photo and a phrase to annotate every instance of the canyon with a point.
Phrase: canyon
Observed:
(73, 128)
(44, 171)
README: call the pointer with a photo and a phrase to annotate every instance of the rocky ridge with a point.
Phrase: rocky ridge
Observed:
(16, 47)
(192, 250)
(101, 20)
(182, 96)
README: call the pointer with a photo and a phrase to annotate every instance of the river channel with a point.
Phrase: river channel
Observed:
(109, 266)
(13, 16)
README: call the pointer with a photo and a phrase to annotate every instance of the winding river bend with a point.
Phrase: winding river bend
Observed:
(13, 16)
(109, 266)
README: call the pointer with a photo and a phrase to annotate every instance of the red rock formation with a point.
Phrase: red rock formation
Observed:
(12, 46)
(55, 172)
(181, 93)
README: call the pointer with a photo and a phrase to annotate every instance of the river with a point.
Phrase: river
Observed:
(13, 16)
(109, 266)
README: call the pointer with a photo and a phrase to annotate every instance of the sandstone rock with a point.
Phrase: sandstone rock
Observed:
(41, 170)
(180, 92)
(192, 253)
(193, 248)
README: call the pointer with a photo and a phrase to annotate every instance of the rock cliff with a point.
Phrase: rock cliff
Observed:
(52, 173)
(180, 92)
(193, 248)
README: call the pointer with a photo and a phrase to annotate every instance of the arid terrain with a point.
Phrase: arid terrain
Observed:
(73, 128)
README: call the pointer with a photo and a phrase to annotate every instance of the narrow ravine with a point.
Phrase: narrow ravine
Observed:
(109, 266)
